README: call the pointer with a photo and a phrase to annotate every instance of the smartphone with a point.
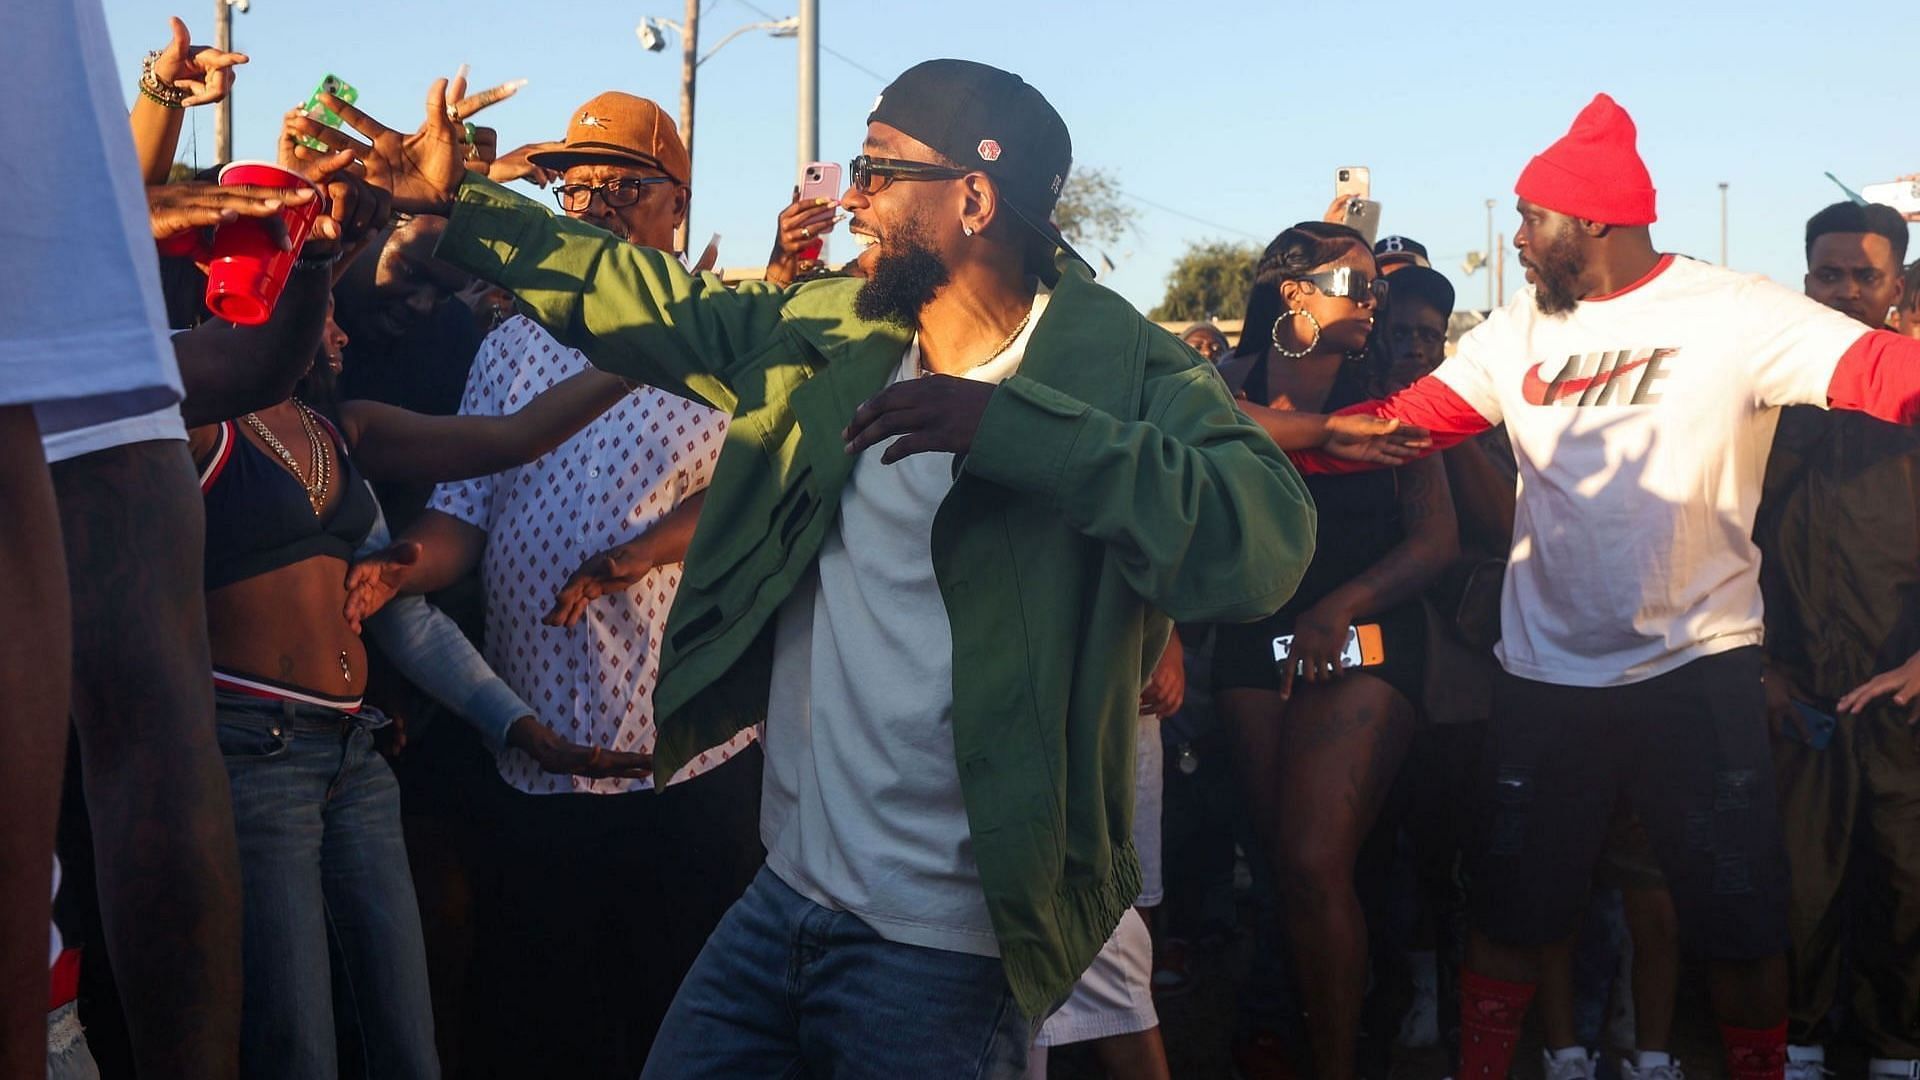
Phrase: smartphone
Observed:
(1353, 181)
(819, 180)
(1363, 216)
(1365, 647)
(1819, 726)
(1902, 195)
(338, 87)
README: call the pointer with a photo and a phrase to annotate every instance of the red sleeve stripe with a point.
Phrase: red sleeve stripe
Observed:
(1428, 403)
(222, 450)
(1880, 376)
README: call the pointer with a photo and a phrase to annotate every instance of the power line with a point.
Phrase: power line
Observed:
(1125, 194)
(835, 53)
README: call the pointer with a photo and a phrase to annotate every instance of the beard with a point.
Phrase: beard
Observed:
(904, 278)
(1556, 276)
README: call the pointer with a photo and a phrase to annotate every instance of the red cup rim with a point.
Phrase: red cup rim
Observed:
(221, 177)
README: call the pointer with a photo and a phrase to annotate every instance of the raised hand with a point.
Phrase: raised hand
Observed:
(1374, 440)
(514, 165)
(422, 170)
(178, 208)
(800, 228)
(205, 73)
(354, 208)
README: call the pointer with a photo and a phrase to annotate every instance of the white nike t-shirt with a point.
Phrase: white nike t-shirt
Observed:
(1641, 423)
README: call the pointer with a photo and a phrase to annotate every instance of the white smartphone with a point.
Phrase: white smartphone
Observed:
(1353, 181)
(1902, 195)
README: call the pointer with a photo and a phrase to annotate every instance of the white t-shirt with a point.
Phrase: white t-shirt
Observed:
(1641, 423)
(860, 802)
(83, 333)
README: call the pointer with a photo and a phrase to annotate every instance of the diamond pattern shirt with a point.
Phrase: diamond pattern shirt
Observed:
(591, 683)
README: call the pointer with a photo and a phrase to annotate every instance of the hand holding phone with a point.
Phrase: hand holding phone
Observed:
(819, 180)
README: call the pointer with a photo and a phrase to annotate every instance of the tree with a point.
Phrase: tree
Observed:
(1210, 278)
(1090, 213)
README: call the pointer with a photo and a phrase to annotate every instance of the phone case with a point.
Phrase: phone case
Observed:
(1373, 649)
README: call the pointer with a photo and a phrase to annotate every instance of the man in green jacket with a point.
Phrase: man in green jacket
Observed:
(958, 505)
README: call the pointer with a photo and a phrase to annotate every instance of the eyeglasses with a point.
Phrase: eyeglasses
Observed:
(619, 193)
(1350, 284)
(871, 175)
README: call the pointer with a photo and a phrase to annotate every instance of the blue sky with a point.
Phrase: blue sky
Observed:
(1233, 113)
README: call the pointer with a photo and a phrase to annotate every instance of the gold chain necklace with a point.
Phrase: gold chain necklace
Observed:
(1005, 344)
(318, 483)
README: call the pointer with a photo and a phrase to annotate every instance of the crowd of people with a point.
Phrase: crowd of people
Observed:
(524, 654)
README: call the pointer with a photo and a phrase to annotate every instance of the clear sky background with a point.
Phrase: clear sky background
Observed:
(1222, 119)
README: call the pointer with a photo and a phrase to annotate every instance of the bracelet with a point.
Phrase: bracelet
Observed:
(151, 88)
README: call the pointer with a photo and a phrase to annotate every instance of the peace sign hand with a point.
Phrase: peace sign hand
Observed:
(422, 170)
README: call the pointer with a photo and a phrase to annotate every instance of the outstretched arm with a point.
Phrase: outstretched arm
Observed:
(392, 444)
(1428, 404)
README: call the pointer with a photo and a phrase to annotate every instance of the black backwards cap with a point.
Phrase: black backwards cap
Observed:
(982, 118)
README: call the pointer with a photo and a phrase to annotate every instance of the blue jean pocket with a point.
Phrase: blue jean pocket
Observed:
(251, 741)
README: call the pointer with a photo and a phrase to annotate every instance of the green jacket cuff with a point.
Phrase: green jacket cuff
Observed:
(487, 229)
(1026, 437)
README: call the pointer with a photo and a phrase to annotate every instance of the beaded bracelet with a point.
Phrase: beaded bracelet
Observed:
(151, 88)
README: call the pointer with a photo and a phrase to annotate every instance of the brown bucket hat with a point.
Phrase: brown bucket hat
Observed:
(620, 128)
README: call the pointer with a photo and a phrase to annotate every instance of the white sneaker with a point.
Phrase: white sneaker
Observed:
(1582, 1067)
(1894, 1069)
(1806, 1063)
(1670, 1071)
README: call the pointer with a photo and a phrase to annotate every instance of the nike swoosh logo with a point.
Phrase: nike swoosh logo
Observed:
(1536, 390)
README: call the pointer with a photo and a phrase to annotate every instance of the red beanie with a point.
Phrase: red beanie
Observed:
(1593, 172)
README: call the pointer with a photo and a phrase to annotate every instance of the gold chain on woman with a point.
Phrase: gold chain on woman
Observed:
(322, 476)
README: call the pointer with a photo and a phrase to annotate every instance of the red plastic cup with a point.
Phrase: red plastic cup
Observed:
(248, 271)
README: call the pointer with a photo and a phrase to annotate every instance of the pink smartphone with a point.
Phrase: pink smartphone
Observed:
(819, 180)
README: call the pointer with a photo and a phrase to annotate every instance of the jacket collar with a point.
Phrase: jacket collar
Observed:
(1087, 346)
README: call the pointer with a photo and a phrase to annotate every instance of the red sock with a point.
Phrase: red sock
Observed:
(1756, 1053)
(1491, 1011)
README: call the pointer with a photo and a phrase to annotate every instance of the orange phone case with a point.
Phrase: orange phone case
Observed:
(1373, 650)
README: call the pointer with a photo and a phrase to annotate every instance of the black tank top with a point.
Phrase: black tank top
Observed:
(258, 516)
(1359, 513)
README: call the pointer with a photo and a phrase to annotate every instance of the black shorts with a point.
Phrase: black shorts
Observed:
(1689, 749)
(1243, 652)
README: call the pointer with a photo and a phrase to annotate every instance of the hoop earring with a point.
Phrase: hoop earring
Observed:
(1281, 348)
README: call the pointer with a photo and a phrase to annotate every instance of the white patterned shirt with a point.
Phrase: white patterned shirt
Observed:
(591, 683)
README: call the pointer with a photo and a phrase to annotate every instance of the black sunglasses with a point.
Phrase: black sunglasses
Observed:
(1350, 284)
(871, 175)
(619, 193)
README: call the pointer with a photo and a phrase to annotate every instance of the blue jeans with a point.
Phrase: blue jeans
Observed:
(327, 895)
(786, 988)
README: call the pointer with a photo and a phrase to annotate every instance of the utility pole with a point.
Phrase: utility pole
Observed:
(1499, 269)
(689, 66)
(1493, 255)
(223, 112)
(809, 83)
(1723, 223)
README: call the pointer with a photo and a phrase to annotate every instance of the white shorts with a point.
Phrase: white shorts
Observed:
(1149, 758)
(1114, 996)
(146, 427)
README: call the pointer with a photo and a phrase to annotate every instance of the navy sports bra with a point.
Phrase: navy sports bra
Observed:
(258, 516)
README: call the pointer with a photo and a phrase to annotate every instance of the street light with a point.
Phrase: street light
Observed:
(651, 33)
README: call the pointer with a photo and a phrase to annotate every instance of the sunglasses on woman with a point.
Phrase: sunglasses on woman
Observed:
(1349, 284)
